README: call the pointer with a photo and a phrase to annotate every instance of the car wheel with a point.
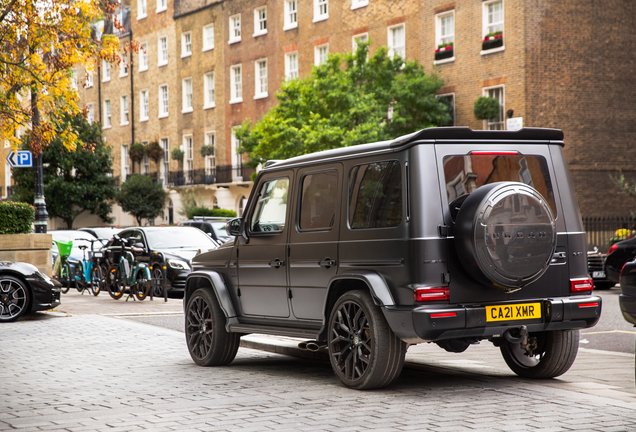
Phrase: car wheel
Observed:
(363, 350)
(547, 355)
(14, 298)
(208, 341)
(157, 280)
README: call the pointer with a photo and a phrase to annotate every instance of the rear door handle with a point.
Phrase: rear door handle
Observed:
(327, 262)
(277, 263)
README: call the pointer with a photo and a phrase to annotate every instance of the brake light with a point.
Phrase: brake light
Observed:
(432, 294)
(444, 315)
(587, 305)
(581, 285)
(494, 153)
(612, 248)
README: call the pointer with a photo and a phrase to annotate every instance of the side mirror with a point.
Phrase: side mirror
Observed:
(234, 227)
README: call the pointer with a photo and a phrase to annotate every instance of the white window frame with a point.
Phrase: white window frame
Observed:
(317, 49)
(145, 161)
(207, 103)
(454, 108)
(288, 65)
(89, 80)
(206, 43)
(319, 15)
(288, 23)
(160, 52)
(124, 110)
(144, 105)
(162, 113)
(391, 42)
(260, 22)
(164, 142)
(108, 114)
(485, 25)
(105, 71)
(162, 5)
(258, 79)
(123, 68)
(187, 104)
(236, 89)
(235, 158)
(186, 45)
(438, 35)
(188, 157)
(143, 56)
(355, 38)
(487, 123)
(90, 113)
(235, 30)
(142, 9)
(125, 162)
(357, 4)
(210, 161)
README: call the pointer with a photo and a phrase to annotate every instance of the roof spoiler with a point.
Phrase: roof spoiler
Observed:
(466, 133)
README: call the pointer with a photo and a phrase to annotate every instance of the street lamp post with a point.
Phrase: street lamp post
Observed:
(41, 215)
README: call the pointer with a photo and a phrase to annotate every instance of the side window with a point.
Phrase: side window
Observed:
(318, 201)
(271, 207)
(206, 228)
(375, 195)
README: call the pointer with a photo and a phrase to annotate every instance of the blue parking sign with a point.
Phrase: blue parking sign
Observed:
(20, 159)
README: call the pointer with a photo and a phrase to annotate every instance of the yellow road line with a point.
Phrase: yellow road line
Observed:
(611, 331)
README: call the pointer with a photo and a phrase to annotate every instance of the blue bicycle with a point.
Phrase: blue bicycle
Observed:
(88, 273)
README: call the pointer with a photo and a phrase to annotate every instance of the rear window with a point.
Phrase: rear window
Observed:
(375, 195)
(465, 173)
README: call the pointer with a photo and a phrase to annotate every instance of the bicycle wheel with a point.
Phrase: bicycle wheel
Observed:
(142, 286)
(115, 283)
(97, 281)
(65, 277)
(78, 277)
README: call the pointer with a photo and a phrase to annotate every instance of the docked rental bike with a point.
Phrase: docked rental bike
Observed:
(129, 274)
(62, 268)
(88, 274)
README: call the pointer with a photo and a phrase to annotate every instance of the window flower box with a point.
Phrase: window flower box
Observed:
(444, 51)
(492, 40)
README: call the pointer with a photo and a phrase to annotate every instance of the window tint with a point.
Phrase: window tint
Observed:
(375, 195)
(206, 228)
(318, 201)
(271, 207)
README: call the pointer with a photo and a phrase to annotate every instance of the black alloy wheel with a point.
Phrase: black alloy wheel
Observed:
(208, 342)
(363, 350)
(14, 298)
(157, 280)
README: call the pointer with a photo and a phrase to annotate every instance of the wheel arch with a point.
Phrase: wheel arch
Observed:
(214, 281)
(359, 280)
(22, 279)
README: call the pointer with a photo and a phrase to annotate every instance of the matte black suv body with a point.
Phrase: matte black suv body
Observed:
(447, 235)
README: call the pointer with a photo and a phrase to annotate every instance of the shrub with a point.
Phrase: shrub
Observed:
(177, 154)
(486, 108)
(16, 218)
(207, 150)
(137, 152)
(206, 211)
(141, 197)
(154, 151)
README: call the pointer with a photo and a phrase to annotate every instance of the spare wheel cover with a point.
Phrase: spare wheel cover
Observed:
(505, 234)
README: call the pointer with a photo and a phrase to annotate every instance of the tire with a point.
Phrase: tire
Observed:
(157, 280)
(15, 298)
(115, 283)
(208, 342)
(505, 235)
(65, 277)
(78, 277)
(142, 286)
(363, 350)
(98, 284)
(554, 355)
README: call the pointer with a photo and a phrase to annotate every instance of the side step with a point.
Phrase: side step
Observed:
(274, 330)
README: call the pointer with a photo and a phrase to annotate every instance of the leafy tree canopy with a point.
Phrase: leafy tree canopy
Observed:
(143, 198)
(74, 180)
(345, 101)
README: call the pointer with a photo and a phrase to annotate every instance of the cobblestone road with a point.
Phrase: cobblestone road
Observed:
(99, 373)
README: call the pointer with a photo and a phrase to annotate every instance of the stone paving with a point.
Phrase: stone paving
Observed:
(88, 372)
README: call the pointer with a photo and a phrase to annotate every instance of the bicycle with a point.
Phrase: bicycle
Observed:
(88, 274)
(62, 268)
(129, 273)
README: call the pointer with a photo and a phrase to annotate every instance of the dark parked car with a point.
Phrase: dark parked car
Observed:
(23, 288)
(619, 254)
(627, 299)
(105, 233)
(178, 245)
(446, 235)
(596, 268)
(212, 226)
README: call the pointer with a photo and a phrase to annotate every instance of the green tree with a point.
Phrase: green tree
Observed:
(143, 198)
(345, 101)
(75, 180)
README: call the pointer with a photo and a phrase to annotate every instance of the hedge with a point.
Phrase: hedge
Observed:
(16, 217)
(205, 211)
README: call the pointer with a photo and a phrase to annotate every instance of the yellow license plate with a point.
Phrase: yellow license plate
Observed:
(513, 312)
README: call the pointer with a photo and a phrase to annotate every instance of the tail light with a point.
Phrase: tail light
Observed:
(434, 294)
(581, 285)
(612, 248)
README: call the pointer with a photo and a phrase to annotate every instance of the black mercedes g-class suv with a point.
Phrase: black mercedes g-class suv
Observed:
(447, 235)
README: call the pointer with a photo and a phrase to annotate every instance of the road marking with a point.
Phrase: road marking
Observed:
(610, 331)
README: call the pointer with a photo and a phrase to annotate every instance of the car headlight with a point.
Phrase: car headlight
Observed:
(179, 265)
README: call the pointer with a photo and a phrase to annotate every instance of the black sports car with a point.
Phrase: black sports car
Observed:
(23, 288)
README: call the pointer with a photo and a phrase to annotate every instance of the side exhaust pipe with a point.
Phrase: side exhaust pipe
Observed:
(312, 346)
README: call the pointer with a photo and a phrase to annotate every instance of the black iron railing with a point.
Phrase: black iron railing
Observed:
(601, 231)
(220, 174)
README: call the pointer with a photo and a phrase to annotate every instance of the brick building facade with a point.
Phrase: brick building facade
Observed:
(553, 63)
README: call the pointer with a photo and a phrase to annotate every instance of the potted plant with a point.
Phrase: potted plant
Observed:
(207, 150)
(136, 153)
(444, 51)
(178, 155)
(486, 108)
(492, 40)
(155, 153)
